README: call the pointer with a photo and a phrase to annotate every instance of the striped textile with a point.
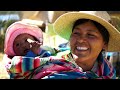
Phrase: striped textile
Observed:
(57, 68)
(67, 70)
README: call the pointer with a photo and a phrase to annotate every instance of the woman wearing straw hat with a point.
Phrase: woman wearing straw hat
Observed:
(89, 33)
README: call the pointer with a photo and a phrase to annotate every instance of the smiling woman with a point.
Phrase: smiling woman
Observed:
(87, 42)
(89, 33)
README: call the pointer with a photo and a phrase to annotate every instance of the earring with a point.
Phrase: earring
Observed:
(103, 49)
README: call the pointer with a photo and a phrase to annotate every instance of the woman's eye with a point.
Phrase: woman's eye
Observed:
(76, 33)
(91, 35)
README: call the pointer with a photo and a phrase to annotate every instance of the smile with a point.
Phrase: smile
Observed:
(81, 48)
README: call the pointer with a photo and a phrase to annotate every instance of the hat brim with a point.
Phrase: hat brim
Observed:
(63, 27)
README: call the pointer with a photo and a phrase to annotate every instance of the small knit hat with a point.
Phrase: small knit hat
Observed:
(16, 29)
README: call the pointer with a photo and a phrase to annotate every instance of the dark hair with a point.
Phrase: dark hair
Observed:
(100, 27)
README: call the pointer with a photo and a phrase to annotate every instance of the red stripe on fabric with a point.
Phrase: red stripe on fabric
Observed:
(50, 70)
(26, 74)
(36, 62)
(18, 77)
(18, 67)
(100, 69)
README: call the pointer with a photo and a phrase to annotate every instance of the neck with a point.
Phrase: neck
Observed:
(85, 65)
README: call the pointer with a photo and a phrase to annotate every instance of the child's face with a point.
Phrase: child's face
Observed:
(20, 45)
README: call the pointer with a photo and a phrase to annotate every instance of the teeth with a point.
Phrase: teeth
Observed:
(82, 48)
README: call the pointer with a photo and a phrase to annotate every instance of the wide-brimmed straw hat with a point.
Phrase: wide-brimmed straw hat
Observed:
(16, 29)
(64, 24)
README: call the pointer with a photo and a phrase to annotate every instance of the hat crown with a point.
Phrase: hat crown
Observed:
(102, 14)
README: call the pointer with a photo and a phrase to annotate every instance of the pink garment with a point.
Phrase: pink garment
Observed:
(16, 29)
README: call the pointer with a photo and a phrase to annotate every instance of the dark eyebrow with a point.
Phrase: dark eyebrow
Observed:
(91, 30)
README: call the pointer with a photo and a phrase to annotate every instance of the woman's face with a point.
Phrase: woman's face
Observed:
(21, 45)
(86, 42)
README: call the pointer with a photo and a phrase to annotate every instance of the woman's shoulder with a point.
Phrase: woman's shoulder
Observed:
(63, 53)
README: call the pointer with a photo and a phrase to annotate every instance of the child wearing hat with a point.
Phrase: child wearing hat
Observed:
(22, 37)
(25, 41)
(26, 58)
